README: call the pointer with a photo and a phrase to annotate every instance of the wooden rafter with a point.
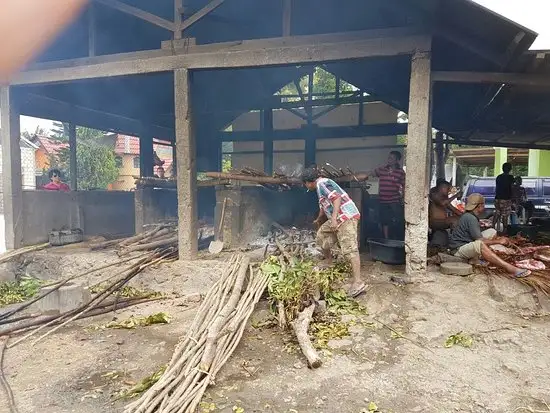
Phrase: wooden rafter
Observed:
(520, 79)
(139, 13)
(213, 5)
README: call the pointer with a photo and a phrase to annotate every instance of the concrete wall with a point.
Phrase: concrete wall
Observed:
(328, 150)
(95, 212)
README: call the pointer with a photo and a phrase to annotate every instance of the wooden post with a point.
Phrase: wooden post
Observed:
(310, 145)
(266, 124)
(440, 156)
(91, 30)
(174, 160)
(178, 8)
(454, 171)
(146, 162)
(287, 17)
(418, 165)
(11, 169)
(72, 158)
(187, 171)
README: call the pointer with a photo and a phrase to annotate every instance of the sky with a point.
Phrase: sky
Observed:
(529, 13)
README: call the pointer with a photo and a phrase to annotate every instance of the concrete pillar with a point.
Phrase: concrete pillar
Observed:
(146, 154)
(539, 162)
(266, 125)
(501, 156)
(187, 170)
(72, 159)
(11, 169)
(419, 144)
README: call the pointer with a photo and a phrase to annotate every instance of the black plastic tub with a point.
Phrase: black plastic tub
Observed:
(527, 231)
(388, 251)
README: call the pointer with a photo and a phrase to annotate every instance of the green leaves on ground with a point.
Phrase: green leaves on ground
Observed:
(126, 291)
(18, 291)
(300, 281)
(325, 331)
(143, 385)
(133, 322)
(460, 338)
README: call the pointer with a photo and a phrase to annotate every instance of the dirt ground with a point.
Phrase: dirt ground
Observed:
(80, 369)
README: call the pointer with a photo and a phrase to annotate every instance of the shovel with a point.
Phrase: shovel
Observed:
(216, 246)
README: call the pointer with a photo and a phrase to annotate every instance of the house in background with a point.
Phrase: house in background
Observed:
(28, 149)
(127, 152)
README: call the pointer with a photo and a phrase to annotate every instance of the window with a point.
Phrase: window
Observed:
(546, 187)
(530, 186)
(136, 162)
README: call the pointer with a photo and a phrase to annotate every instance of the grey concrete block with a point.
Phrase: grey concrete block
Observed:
(456, 268)
(66, 298)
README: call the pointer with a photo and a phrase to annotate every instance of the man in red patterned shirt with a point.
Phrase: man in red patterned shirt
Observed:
(390, 193)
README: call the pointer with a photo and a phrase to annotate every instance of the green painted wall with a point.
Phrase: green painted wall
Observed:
(539, 162)
(501, 156)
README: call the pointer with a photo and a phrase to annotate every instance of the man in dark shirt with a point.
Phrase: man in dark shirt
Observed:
(390, 191)
(469, 243)
(503, 197)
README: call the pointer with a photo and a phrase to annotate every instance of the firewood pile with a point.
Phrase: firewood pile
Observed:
(290, 242)
(106, 300)
(215, 333)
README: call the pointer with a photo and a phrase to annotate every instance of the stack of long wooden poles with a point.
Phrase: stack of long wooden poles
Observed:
(158, 236)
(215, 333)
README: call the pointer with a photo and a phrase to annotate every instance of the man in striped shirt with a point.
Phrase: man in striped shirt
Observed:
(390, 193)
(340, 216)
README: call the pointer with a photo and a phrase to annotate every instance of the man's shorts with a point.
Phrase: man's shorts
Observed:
(391, 213)
(345, 236)
(472, 250)
(503, 207)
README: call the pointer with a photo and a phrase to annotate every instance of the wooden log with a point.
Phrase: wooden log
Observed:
(300, 326)
(151, 245)
(104, 244)
(280, 180)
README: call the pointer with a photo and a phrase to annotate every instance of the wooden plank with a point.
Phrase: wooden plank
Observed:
(213, 5)
(139, 13)
(11, 169)
(335, 132)
(187, 170)
(283, 51)
(72, 156)
(519, 79)
(419, 144)
(287, 17)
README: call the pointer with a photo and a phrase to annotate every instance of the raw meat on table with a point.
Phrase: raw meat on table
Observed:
(543, 254)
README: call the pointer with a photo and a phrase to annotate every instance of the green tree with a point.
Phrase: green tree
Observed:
(324, 82)
(97, 167)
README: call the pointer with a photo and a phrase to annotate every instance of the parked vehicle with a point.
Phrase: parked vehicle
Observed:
(537, 189)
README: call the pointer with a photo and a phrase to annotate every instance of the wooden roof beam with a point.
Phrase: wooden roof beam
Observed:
(283, 51)
(139, 13)
(517, 79)
(385, 129)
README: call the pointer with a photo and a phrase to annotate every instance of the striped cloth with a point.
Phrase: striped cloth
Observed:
(328, 191)
(391, 184)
